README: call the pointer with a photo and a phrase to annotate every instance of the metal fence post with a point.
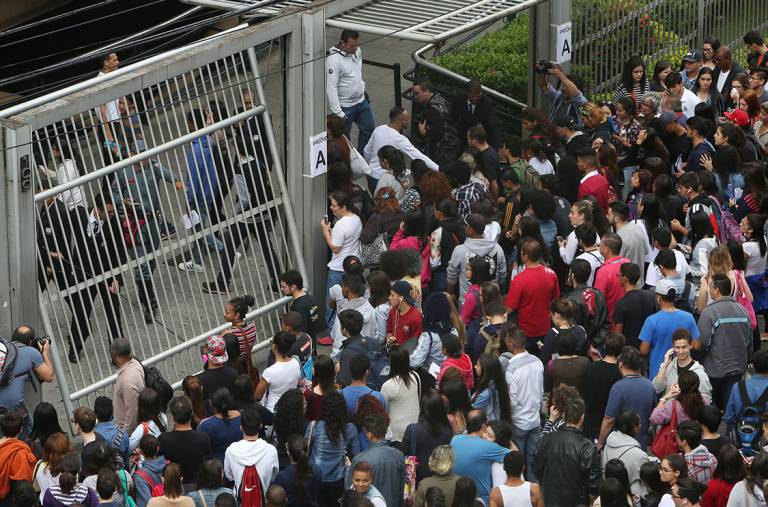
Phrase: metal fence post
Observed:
(700, 23)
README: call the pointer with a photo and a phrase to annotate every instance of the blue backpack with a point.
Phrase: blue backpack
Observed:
(748, 429)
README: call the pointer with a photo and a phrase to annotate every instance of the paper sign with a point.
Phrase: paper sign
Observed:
(189, 220)
(318, 154)
(564, 44)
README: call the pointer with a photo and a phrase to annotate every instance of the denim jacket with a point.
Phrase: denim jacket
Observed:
(328, 456)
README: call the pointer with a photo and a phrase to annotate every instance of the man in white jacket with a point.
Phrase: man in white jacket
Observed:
(251, 450)
(345, 86)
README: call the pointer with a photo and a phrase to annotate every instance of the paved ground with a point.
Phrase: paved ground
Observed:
(185, 311)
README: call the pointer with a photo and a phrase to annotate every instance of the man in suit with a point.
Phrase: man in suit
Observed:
(476, 108)
(97, 248)
(725, 70)
(53, 241)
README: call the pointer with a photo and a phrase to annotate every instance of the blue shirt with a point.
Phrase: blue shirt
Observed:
(657, 330)
(633, 392)
(474, 457)
(221, 433)
(328, 456)
(109, 430)
(354, 393)
(27, 358)
(755, 387)
(202, 182)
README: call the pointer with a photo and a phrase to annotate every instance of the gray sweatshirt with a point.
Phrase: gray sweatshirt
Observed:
(470, 248)
(726, 336)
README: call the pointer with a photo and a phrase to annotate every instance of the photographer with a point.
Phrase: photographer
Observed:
(32, 355)
(568, 99)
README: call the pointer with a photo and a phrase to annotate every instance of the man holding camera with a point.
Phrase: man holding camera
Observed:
(32, 355)
(568, 99)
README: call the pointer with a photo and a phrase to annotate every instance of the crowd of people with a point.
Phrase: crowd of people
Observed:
(569, 318)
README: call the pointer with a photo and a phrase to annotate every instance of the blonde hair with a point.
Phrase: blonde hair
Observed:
(441, 460)
(720, 261)
(594, 113)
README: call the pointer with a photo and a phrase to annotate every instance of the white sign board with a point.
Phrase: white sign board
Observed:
(563, 44)
(318, 154)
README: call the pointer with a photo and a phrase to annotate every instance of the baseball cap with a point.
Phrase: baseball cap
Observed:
(738, 116)
(216, 349)
(665, 119)
(693, 56)
(403, 288)
(663, 286)
(476, 221)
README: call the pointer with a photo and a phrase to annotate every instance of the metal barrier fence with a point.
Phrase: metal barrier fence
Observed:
(155, 195)
(607, 32)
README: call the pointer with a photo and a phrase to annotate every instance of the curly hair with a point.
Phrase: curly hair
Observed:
(561, 394)
(386, 201)
(289, 414)
(435, 186)
(368, 405)
(333, 411)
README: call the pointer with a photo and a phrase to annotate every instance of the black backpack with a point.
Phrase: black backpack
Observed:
(154, 380)
(748, 429)
(8, 353)
(682, 302)
(379, 362)
(448, 147)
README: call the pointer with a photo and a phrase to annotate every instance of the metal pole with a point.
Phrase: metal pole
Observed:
(398, 86)
(293, 231)
(700, 23)
(58, 369)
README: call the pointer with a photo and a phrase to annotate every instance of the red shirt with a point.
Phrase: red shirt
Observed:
(717, 493)
(595, 184)
(607, 281)
(530, 293)
(405, 326)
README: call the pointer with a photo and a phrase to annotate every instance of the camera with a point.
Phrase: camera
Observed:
(543, 66)
(40, 341)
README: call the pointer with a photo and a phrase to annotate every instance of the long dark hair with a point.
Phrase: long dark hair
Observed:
(209, 475)
(730, 465)
(756, 223)
(660, 66)
(455, 391)
(223, 402)
(690, 397)
(333, 412)
(324, 374)
(299, 452)
(150, 407)
(465, 493)
(433, 415)
(70, 468)
(529, 227)
(289, 414)
(492, 373)
(394, 157)
(758, 472)
(44, 423)
(399, 366)
(701, 227)
(714, 95)
(651, 214)
(626, 74)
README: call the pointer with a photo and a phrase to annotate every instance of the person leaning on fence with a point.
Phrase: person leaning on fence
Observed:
(31, 356)
(129, 384)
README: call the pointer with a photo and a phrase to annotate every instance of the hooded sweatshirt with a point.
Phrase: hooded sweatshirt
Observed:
(154, 468)
(701, 463)
(245, 453)
(621, 446)
(738, 496)
(670, 379)
(17, 463)
(464, 364)
(344, 83)
(471, 248)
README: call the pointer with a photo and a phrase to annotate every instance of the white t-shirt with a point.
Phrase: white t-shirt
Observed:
(402, 403)
(595, 260)
(542, 168)
(113, 112)
(492, 231)
(281, 377)
(689, 100)
(722, 78)
(138, 432)
(346, 234)
(755, 261)
(681, 266)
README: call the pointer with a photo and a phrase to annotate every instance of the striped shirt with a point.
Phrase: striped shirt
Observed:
(246, 337)
(637, 93)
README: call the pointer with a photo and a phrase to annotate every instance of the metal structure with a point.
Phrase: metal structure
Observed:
(607, 33)
(64, 153)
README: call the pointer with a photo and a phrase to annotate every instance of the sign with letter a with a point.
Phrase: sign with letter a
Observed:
(318, 154)
(564, 44)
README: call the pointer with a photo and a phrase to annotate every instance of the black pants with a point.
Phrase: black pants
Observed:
(329, 493)
(236, 235)
(81, 304)
(721, 389)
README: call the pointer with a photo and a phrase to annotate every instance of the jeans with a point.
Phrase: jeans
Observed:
(526, 441)
(628, 172)
(212, 243)
(361, 115)
(334, 278)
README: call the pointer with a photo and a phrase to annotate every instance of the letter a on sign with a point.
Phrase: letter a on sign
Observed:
(563, 43)
(318, 154)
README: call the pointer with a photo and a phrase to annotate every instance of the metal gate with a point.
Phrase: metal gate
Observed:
(608, 32)
(174, 165)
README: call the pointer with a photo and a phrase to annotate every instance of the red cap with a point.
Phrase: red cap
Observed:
(738, 116)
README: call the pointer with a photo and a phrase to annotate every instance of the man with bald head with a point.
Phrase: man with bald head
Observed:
(725, 70)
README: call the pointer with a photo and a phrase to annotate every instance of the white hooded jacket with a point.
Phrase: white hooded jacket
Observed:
(244, 453)
(344, 83)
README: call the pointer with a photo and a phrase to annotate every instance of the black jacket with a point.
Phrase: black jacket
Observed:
(591, 312)
(484, 114)
(568, 466)
(98, 253)
(725, 93)
(54, 235)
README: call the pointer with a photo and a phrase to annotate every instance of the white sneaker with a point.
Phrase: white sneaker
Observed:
(238, 256)
(191, 266)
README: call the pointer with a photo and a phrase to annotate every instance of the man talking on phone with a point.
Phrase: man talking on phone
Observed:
(678, 359)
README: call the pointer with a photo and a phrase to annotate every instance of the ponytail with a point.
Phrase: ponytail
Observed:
(297, 449)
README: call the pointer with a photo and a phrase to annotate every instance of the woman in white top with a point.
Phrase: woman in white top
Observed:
(751, 227)
(516, 492)
(402, 393)
(702, 242)
(392, 162)
(47, 470)
(281, 376)
(749, 492)
(66, 170)
(343, 238)
(152, 419)
(581, 212)
(537, 157)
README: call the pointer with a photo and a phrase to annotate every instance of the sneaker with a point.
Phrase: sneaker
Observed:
(167, 234)
(213, 288)
(191, 266)
(326, 341)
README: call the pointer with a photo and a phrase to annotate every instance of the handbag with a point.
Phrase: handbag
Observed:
(665, 441)
(743, 300)
(357, 162)
(370, 254)
(411, 462)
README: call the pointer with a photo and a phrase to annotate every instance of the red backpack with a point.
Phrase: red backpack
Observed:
(251, 492)
(156, 488)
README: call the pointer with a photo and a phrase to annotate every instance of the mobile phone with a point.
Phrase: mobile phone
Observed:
(325, 218)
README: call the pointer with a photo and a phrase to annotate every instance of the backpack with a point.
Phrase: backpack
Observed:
(448, 147)
(8, 353)
(748, 429)
(250, 493)
(492, 342)
(729, 227)
(156, 488)
(527, 174)
(490, 258)
(682, 302)
(154, 380)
